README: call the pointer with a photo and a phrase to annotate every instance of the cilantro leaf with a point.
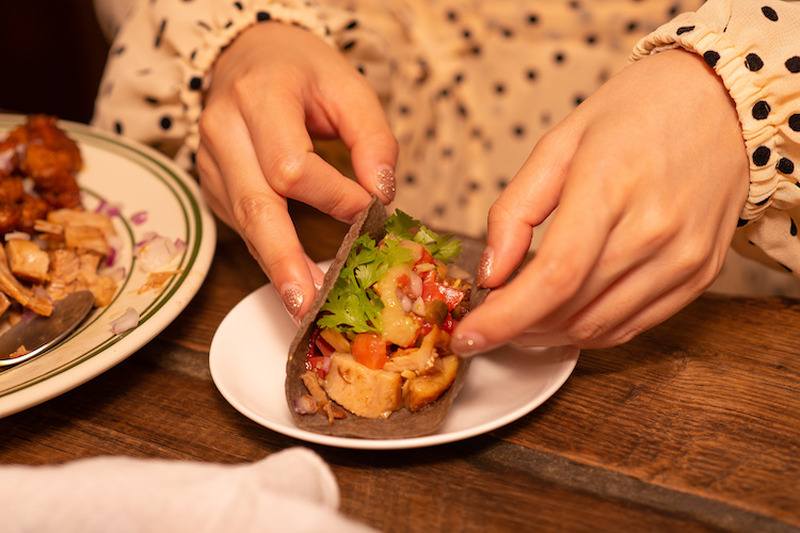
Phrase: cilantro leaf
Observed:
(444, 248)
(352, 305)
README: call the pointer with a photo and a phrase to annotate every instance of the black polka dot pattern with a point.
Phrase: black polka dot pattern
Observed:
(753, 62)
(711, 58)
(761, 156)
(761, 110)
(769, 13)
(785, 166)
(160, 35)
(463, 108)
(763, 65)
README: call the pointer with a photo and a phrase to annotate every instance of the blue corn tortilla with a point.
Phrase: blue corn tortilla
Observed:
(402, 423)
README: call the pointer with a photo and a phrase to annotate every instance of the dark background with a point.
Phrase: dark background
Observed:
(53, 53)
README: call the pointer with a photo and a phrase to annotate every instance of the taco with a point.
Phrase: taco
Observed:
(371, 358)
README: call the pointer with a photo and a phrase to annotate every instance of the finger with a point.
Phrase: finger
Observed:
(364, 128)
(527, 201)
(261, 217)
(637, 239)
(286, 156)
(317, 273)
(568, 253)
(681, 273)
(615, 319)
(211, 186)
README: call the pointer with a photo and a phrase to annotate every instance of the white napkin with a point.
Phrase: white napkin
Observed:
(289, 491)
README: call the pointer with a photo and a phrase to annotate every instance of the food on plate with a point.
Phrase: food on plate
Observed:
(372, 357)
(51, 245)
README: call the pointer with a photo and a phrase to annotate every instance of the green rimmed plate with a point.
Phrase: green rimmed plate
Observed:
(153, 196)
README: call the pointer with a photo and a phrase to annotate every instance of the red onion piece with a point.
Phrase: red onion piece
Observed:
(305, 405)
(140, 217)
(125, 322)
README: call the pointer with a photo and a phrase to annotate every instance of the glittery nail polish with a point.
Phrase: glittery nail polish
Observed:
(292, 296)
(485, 266)
(385, 181)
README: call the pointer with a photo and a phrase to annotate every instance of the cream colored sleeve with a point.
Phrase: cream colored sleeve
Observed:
(754, 46)
(161, 59)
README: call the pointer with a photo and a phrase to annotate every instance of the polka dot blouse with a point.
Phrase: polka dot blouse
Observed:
(471, 85)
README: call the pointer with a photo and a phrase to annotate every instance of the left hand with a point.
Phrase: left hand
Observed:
(648, 176)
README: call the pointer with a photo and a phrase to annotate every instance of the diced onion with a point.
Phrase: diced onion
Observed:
(117, 273)
(416, 284)
(140, 217)
(418, 307)
(107, 209)
(17, 235)
(6, 156)
(158, 252)
(127, 321)
(326, 364)
(305, 405)
(405, 301)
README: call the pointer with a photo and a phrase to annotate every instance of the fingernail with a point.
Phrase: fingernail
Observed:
(385, 181)
(292, 296)
(485, 266)
(467, 344)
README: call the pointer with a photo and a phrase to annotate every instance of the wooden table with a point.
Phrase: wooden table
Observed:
(693, 426)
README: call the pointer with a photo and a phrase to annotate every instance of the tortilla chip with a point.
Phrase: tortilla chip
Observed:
(402, 423)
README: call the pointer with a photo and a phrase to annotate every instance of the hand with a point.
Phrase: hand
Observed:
(648, 176)
(274, 88)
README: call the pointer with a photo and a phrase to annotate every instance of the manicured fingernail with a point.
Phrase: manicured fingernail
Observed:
(385, 182)
(467, 344)
(292, 296)
(485, 266)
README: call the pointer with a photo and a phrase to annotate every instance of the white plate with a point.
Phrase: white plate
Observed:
(135, 179)
(248, 365)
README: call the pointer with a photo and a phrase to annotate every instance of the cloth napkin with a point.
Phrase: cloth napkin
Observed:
(290, 491)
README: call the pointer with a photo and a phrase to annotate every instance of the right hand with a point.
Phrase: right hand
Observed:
(274, 88)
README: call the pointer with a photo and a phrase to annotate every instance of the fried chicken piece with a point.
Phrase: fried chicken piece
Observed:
(9, 217)
(11, 189)
(49, 151)
(31, 209)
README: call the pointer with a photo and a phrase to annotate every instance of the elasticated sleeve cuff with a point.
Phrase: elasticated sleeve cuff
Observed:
(162, 59)
(753, 47)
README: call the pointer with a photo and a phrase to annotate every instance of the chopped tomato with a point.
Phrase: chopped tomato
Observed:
(369, 349)
(428, 276)
(426, 256)
(449, 324)
(317, 364)
(403, 281)
(323, 346)
(432, 290)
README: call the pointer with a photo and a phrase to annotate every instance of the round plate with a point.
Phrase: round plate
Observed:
(153, 196)
(248, 365)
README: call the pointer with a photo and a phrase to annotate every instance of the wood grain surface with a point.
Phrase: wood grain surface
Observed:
(692, 426)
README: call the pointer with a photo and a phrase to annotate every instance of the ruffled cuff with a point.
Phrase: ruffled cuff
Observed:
(162, 60)
(738, 42)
